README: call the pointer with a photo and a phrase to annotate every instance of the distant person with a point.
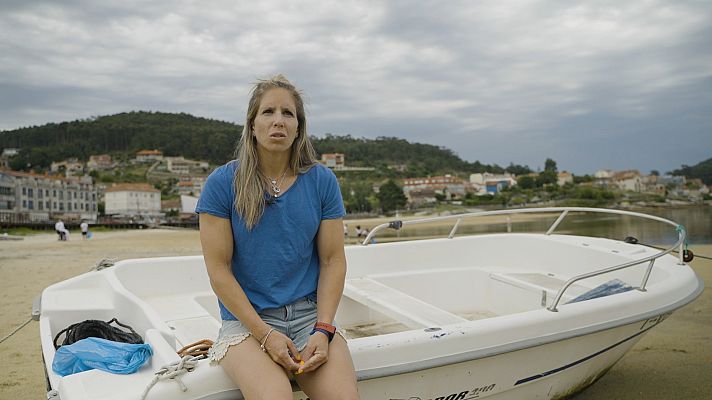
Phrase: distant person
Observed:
(270, 225)
(359, 232)
(61, 230)
(85, 229)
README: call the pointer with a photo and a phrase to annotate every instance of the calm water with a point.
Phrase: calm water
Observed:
(697, 220)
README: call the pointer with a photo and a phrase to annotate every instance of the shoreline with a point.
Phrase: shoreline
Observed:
(674, 360)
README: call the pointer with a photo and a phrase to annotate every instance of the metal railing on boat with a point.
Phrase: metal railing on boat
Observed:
(564, 211)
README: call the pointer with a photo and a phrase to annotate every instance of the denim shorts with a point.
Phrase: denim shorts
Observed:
(295, 321)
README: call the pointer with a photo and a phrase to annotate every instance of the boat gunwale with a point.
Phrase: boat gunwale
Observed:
(379, 372)
(682, 235)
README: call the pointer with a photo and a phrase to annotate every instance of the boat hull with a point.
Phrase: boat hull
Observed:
(459, 319)
(555, 370)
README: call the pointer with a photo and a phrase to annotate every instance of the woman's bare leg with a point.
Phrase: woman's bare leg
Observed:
(258, 377)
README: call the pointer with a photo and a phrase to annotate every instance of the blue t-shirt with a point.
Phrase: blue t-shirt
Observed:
(276, 263)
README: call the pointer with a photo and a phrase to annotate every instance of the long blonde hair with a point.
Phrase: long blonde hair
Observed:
(249, 180)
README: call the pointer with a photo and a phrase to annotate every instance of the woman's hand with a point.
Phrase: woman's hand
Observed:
(315, 353)
(282, 351)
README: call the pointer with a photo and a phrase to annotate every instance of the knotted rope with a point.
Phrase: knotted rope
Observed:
(173, 371)
(198, 349)
(103, 263)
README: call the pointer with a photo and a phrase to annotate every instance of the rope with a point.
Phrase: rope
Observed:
(173, 371)
(198, 349)
(16, 330)
(99, 329)
(681, 229)
(103, 263)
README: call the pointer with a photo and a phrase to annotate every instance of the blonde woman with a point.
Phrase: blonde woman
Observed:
(272, 236)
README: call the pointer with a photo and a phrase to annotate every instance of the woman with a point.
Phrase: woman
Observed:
(272, 236)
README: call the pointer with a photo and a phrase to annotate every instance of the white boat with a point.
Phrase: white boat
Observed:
(455, 318)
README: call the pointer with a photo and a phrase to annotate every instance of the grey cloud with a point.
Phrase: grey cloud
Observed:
(493, 81)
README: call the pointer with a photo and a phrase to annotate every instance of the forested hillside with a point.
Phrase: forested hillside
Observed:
(174, 134)
(701, 170)
(204, 139)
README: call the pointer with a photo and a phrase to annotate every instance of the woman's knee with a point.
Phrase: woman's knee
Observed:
(257, 376)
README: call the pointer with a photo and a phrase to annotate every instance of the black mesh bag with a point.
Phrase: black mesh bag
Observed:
(98, 329)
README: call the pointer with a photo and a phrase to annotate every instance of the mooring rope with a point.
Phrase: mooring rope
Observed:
(173, 371)
(16, 330)
(103, 263)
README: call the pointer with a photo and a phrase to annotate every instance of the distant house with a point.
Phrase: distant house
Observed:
(190, 186)
(70, 167)
(495, 186)
(564, 178)
(488, 183)
(603, 174)
(133, 200)
(172, 205)
(149, 156)
(6, 155)
(447, 185)
(418, 197)
(183, 166)
(100, 162)
(333, 160)
(187, 206)
(629, 180)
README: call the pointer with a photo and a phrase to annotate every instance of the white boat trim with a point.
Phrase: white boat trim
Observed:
(524, 344)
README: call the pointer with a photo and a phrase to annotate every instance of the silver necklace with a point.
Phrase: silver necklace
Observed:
(275, 183)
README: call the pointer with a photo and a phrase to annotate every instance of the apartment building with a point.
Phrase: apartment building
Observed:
(31, 197)
(133, 200)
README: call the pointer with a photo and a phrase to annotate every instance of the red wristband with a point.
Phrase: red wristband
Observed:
(328, 327)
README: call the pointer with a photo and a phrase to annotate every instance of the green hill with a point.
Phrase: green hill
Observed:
(121, 135)
(701, 170)
(174, 134)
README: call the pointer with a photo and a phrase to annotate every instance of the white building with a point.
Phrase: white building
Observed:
(149, 156)
(630, 180)
(604, 174)
(6, 155)
(100, 162)
(564, 178)
(447, 185)
(488, 183)
(70, 167)
(133, 200)
(183, 166)
(30, 197)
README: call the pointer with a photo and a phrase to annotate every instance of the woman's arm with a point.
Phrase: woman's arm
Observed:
(217, 242)
(332, 268)
(332, 273)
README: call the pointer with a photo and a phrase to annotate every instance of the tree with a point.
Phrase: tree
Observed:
(526, 182)
(550, 165)
(518, 169)
(391, 196)
(548, 177)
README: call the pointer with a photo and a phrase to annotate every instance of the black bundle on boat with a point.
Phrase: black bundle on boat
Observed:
(98, 329)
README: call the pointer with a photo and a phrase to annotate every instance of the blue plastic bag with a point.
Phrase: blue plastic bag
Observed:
(614, 286)
(97, 353)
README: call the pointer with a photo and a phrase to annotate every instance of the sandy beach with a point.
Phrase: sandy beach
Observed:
(674, 361)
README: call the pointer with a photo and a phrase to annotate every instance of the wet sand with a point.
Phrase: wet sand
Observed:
(674, 361)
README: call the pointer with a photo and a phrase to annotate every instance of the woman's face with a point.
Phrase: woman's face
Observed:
(275, 126)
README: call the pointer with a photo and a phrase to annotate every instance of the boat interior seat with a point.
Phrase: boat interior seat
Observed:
(191, 330)
(408, 310)
(545, 283)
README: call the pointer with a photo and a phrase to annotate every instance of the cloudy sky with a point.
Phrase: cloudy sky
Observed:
(596, 84)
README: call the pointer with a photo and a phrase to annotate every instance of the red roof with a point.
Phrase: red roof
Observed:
(132, 187)
(149, 153)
